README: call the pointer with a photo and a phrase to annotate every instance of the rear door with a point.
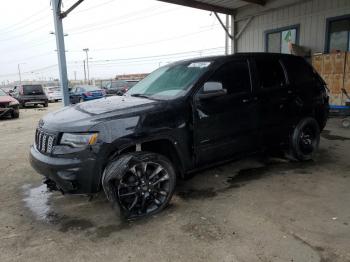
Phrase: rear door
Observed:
(225, 125)
(272, 95)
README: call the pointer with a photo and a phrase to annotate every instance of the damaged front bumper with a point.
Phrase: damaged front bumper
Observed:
(73, 173)
(7, 111)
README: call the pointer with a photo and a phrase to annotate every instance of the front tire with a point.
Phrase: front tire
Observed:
(141, 183)
(15, 113)
(305, 139)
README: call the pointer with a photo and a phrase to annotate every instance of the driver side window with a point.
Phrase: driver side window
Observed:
(234, 76)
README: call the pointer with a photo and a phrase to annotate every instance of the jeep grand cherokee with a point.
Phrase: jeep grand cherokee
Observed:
(183, 117)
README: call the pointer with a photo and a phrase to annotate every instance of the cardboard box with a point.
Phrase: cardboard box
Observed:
(337, 83)
(339, 62)
(328, 64)
(327, 79)
(347, 83)
(347, 63)
(335, 100)
(317, 63)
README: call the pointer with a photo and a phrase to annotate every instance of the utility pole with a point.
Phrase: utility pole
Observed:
(84, 72)
(62, 63)
(19, 74)
(86, 50)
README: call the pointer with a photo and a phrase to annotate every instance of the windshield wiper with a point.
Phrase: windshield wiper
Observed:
(141, 95)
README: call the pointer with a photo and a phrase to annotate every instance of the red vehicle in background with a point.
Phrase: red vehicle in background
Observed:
(9, 106)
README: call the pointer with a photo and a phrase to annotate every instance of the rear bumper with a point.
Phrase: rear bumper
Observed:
(75, 175)
(28, 102)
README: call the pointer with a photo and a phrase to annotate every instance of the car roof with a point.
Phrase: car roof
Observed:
(237, 55)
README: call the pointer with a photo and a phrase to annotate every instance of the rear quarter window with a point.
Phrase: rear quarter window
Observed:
(299, 71)
(270, 72)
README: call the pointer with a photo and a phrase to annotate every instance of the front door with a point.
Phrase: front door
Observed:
(225, 125)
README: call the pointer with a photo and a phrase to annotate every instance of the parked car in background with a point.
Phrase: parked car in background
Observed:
(131, 83)
(117, 87)
(53, 93)
(30, 95)
(181, 118)
(80, 94)
(9, 106)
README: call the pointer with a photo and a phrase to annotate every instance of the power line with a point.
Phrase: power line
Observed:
(106, 25)
(24, 20)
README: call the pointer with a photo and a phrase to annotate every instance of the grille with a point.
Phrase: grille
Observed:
(44, 141)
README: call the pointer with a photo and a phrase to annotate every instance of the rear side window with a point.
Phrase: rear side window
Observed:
(234, 77)
(299, 71)
(271, 73)
(33, 90)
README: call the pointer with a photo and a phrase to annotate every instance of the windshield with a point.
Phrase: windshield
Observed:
(169, 82)
(2, 93)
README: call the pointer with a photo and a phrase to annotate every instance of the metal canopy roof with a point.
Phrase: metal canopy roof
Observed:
(220, 6)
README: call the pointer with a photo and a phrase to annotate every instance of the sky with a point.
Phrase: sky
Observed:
(123, 36)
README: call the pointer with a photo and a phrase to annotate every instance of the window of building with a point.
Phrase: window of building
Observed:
(277, 40)
(338, 34)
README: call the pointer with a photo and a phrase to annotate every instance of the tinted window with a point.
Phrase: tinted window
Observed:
(299, 71)
(32, 90)
(234, 76)
(270, 73)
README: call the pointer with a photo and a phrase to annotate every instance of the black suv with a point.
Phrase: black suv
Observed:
(181, 118)
(30, 95)
(117, 87)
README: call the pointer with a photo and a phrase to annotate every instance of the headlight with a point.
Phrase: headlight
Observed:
(78, 140)
(13, 103)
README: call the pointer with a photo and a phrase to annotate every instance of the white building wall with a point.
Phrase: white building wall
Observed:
(311, 15)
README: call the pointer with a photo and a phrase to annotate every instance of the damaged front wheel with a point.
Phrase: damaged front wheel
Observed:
(141, 183)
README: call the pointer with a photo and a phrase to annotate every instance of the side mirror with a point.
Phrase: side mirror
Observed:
(212, 89)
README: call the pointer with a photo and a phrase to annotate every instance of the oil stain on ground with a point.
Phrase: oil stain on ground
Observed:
(327, 135)
(197, 193)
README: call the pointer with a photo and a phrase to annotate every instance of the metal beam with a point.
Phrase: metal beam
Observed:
(258, 2)
(243, 27)
(65, 13)
(201, 5)
(223, 26)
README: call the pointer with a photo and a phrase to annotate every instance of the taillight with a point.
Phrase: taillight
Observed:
(21, 91)
(88, 94)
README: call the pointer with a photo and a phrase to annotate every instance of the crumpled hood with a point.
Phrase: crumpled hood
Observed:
(7, 99)
(81, 117)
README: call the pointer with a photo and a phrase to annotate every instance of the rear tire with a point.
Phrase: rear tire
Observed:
(304, 140)
(141, 183)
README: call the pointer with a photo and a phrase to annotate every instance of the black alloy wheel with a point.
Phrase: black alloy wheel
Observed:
(305, 139)
(142, 183)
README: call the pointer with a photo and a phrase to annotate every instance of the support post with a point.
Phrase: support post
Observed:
(227, 39)
(233, 33)
(62, 66)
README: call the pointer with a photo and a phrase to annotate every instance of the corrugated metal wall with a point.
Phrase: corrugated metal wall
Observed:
(311, 15)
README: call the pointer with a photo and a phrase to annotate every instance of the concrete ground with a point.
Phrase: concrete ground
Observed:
(249, 210)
